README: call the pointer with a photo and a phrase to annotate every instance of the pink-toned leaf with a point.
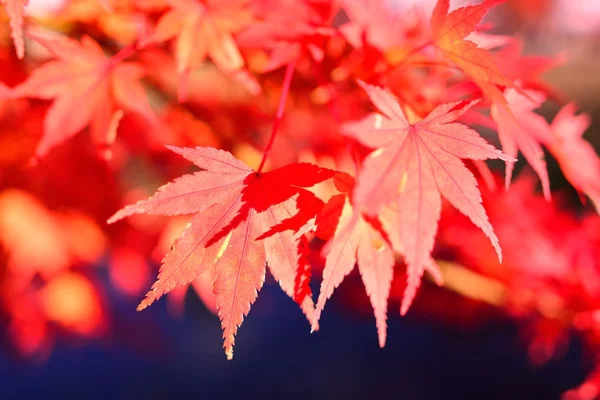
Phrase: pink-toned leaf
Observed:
(16, 12)
(240, 274)
(577, 158)
(449, 33)
(417, 167)
(243, 222)
(376, 266)
(82, 78)
(522, 131)
(190, 255)
(356, 241)
(283, 257)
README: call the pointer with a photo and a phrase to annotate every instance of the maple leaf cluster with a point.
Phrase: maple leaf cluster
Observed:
(366, 116)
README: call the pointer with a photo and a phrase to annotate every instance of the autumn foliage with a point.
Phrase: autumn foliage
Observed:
(275, 133)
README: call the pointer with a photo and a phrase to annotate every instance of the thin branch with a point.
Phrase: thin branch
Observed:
(287, 80)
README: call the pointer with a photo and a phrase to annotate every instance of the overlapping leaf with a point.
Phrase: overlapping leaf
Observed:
(88, 88)
(16, 12)
(449, 33)
(385, 28)
(526, 69)
(240, 224)
(355, 241)
(289, 28)
(577, 158)
(524, 134)
(414, 164)
(202, 30)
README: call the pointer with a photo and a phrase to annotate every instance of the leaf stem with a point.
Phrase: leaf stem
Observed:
(123, 54)
(287, 81)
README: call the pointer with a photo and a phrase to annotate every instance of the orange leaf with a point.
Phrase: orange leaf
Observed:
(82, 78)
(450, 30)
(202, 30)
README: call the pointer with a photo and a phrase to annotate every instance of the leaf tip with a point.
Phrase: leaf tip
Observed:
(314, 327)
(148, 300)
(546, 190)
(405, 306)
(382, 338)
(315, 324)
(409, 295)
(435, 271)
(114, 218)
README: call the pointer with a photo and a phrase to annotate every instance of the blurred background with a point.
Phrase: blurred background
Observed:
(528, 329)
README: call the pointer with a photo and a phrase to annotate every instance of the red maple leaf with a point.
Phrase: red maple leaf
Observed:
(304, 273)
(526, 69)
(414, 164)
(16, 12)
(203, 29)
(577, 158)
(523, 132)
(355, 241)
(390, 222)
(82, 78)
(449, 33)
(289, 29)
(380, 25)
(240, 224)
(563, 139)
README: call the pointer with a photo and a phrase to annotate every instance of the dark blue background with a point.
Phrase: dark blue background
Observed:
(153, 356)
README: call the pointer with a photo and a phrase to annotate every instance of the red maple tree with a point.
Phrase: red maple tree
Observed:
(365, 117)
